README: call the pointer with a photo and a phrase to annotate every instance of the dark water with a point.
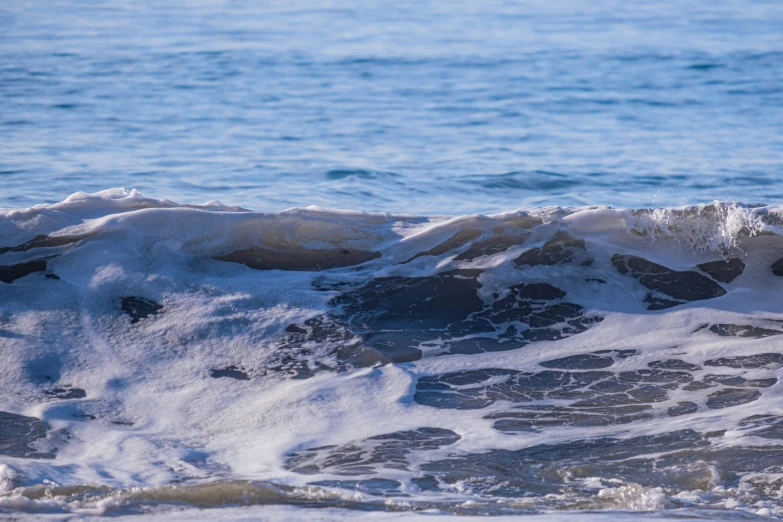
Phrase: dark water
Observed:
(420, 107)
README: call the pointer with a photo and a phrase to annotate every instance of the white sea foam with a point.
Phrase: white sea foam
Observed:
(152, 415)
(705, 228)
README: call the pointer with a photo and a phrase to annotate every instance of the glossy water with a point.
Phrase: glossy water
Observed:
(424, 107)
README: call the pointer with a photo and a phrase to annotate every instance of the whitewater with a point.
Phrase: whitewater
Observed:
(205, 361)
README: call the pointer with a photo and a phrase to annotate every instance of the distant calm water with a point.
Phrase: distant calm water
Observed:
(430, 108)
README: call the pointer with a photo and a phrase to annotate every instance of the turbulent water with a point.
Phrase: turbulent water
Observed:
(532, 306)
(160, 357)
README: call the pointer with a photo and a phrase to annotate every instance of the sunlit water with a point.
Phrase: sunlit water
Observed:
(430, 108)
(163, 359)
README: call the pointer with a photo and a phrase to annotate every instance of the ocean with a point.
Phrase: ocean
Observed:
(373, 260)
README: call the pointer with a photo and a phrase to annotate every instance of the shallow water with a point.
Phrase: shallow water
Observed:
(160, 357)
(429, 108)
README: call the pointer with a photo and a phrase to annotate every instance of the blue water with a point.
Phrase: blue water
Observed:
(424, 107)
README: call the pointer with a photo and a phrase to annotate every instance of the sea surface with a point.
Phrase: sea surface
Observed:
(421, 107)
(380, 261)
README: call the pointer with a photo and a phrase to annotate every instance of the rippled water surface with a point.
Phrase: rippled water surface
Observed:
(423, 107)
(162, 358)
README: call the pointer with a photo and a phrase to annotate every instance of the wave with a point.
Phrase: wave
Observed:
(576, 358)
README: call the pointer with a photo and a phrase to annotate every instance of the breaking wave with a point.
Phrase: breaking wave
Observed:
(159, 355)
